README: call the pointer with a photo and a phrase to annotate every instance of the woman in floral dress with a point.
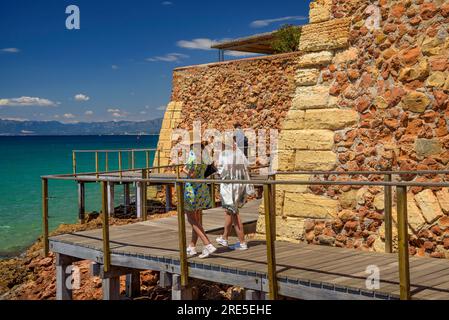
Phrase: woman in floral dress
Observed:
(196, 198)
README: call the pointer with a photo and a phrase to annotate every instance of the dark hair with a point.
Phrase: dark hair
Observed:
(237, 125)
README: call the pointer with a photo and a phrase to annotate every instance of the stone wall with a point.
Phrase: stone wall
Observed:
(367, 90)
(371, 95)
(257, 92)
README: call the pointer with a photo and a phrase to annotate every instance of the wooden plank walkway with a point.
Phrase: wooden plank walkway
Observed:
(304, 271)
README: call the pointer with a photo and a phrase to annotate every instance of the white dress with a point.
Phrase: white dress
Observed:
(234, 165)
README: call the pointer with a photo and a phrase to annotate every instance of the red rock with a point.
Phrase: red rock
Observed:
(439, 63)
(391, 123)
(415, 21)
(353, 74)
(445, 10)
(366, 80)
(446, 243)
(363, 104)
(410, 56)
(390, 27)
(397, 10)
(351, 225)
(428, 10)
(436, 230)
(440, 98)
(444, 221)
(428, 245)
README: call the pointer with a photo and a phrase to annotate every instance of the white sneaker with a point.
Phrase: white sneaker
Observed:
(209, 249)
(222, 241)
(191, 251)
(239, 246)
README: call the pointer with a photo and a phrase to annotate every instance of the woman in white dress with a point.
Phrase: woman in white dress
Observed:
(233, 165)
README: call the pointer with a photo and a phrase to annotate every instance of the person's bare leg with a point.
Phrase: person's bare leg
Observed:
(196, 227)
(194, 240)
(227, 225)
(238, 226)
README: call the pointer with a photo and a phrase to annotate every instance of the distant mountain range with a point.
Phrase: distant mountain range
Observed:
(15, 128)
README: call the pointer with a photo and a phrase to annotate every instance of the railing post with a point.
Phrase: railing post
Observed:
(158, 161)
(106, 160)
(147, 159)
(81, 202)
(387, 215)
(132, 159)
(271, 254)
(74, 162)
(120, 164)
(182, 234)
(105, 215)
(212, 194)
(96, 164)
(273, 207)
(45, 216)
(404, 269)
(144, 195)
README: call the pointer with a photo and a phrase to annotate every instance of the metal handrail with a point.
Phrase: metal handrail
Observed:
(269, 184)
(131, 154)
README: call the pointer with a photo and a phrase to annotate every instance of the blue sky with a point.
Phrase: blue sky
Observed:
(118, 65)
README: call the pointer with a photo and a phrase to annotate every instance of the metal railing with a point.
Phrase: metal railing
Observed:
(269, 211)
(120, 152)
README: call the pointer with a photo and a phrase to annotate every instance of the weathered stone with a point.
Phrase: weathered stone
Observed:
(316, 97)
(315, 59)
(410, 56)
(286, 160)
(306, 140)
(307, 77)
(293, 188)
(415, 101)
(443, 199)
(360, 195)
(307, 205)
(444, 222)
(346, 56)
(320, 10)
(379, 201)
(294, 120)
(427, 147)
(432, 46)
(429, 206)
(327, 119)
(346, 215)
(419, 72)
(348, 199)
(414, 216)
(315, 160)
(291, 228)
(326, 240)
(437, 79)
(327, 35)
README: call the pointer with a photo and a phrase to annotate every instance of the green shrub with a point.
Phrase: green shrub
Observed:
(286, 39)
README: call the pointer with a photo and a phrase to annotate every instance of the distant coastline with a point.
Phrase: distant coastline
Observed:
(56, 128)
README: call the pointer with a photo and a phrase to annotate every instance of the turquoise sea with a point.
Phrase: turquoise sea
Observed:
(23, 160)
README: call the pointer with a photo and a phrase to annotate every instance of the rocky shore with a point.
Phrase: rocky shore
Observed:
(32, 276)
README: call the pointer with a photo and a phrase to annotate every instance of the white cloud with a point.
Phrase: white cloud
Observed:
(26, 102)
(56, 116)
(206, 44)
(89, 113)
(10, 50)
(114, 67)
(198, 44)
(169, 57)
(117, 113)
(162, 107)
(267, 22)
(143, 112)
(69, 115)
(15, 119)
(81, 97)
(167, 3)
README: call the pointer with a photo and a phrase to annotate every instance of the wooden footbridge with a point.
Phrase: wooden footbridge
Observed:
(269, 269)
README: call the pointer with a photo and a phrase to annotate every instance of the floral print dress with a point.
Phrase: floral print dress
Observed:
(196, 195)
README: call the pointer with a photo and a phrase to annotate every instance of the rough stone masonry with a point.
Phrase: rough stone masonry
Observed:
(367, 90)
